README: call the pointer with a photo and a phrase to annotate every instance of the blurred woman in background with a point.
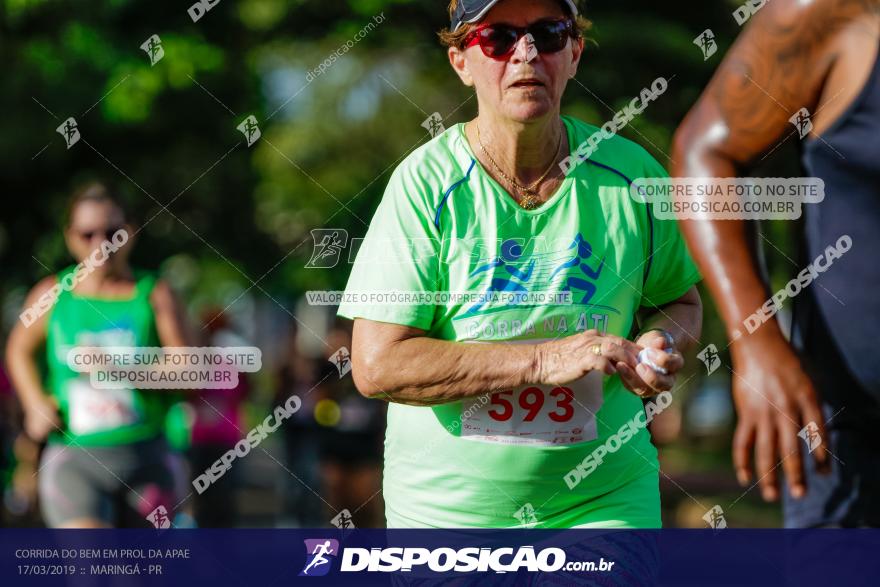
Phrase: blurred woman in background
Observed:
(106, 459)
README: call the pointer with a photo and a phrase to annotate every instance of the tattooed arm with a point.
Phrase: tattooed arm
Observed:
(781, 63)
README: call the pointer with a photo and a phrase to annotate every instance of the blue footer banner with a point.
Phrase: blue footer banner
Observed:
(270, 558)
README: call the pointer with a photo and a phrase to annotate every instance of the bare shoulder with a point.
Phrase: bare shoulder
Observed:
(779, 64)
(41, 288)
(33, 320)
(163, 297)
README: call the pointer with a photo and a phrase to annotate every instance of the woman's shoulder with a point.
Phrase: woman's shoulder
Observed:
(429, 170)
(622, 155)
(41, 288)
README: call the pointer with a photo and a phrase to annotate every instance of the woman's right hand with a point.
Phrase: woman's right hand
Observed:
(570, 358)
(41, 417)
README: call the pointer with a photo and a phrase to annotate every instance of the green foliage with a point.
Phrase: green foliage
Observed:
(166, 134)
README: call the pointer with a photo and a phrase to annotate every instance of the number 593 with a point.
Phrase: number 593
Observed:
(529, 403)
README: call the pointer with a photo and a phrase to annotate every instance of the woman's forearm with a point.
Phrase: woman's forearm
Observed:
(428, 371)
(24, 375)
(22, 347)
(402, 365)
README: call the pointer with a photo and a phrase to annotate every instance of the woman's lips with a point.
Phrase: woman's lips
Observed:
(527, 83)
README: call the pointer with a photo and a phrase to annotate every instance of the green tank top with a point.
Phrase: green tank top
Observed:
(101, 417)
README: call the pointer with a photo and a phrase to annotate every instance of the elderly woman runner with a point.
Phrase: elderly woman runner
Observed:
(512, 409)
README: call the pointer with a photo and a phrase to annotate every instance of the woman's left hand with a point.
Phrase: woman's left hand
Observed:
(645, 381)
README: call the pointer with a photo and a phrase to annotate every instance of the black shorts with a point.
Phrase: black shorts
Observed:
(121, 485)
(850, 495)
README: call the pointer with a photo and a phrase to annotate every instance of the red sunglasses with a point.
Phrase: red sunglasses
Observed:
(499, 40)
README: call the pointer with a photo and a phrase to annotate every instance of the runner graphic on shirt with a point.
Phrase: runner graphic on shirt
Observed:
(520, 268)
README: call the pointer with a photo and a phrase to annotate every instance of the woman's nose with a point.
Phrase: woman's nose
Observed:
(525, 50)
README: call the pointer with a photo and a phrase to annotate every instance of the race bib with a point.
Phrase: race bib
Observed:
(93, 410)
(541, 415)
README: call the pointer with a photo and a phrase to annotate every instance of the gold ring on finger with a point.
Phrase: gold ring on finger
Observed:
(596, 349)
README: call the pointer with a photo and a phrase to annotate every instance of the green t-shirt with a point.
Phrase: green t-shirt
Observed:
(102, 417)
(444, 225)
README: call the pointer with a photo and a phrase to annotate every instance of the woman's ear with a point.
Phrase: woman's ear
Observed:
(131, 231)
(122, 253)
(459, 64)
(577, 49)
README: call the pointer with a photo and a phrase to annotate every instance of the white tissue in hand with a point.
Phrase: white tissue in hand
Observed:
(647, 356)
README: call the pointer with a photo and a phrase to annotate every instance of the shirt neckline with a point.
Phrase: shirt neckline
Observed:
(502, 194)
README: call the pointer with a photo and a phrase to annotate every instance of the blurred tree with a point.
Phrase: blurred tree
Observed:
(166, 134)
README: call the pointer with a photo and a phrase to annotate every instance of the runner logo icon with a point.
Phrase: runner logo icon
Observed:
(320, 553)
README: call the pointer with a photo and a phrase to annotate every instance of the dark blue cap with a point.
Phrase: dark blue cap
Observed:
(470, 11)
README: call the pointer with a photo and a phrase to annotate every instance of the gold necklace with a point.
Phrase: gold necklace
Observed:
(529, 199)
